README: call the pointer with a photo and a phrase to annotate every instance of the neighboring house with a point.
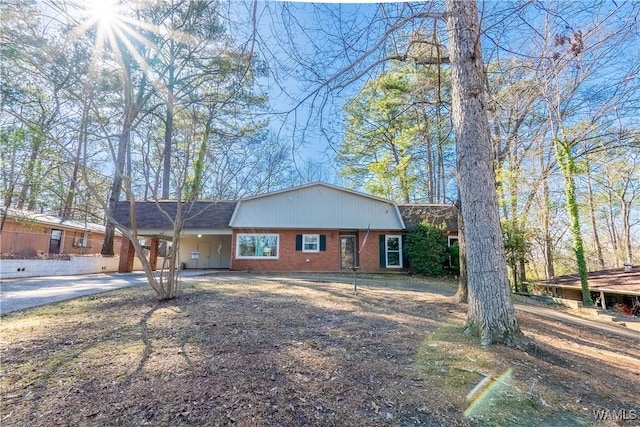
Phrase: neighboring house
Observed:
(313, 227)
(609, 288)
(26, 234)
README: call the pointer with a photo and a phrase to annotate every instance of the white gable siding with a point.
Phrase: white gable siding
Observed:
(317, 206)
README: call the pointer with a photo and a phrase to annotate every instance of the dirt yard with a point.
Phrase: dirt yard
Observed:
(290, 352)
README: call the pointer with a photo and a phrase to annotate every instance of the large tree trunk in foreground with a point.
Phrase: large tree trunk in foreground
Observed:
(491, 313)
(462, 294)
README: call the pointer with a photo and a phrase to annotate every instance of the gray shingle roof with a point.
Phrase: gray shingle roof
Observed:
(153, 215)
(414, 213)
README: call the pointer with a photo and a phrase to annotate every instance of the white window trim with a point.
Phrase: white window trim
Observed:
(317, 238)
(453, 239)
(239, 235)
(386, 250)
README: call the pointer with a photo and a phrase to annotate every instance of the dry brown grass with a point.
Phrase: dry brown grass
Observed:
(292, 352)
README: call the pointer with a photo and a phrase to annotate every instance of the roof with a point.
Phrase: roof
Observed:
(51, 220)
(198, 215)
(436, 214)
(310, 206)
(617, 281)
(317, 184)
(317, 206)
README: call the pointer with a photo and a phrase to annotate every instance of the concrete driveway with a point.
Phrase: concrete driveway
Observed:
(18, 294)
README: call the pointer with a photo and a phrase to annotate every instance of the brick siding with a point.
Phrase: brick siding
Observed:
(290, 260)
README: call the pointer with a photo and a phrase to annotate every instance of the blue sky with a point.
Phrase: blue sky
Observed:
(298, 32)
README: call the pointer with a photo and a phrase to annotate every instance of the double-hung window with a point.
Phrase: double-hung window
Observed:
(310, 243)
(258, 246)
(393, 249)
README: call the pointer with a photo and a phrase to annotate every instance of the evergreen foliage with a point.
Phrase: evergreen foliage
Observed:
(427, 249)
(516, 246)
(396, 142)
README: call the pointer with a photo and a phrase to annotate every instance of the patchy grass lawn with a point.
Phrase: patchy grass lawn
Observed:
(292, 352)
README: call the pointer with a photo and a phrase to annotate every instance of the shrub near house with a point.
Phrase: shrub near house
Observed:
(427, 249)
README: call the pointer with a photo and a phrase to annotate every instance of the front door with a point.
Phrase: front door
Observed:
(347, 251)
(54, 241)
(204, 260)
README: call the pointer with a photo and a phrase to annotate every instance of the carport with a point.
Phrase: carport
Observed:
(205, 238)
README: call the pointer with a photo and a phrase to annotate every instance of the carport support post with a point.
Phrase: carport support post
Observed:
(125, 265)
(153, 254)
(602, 301)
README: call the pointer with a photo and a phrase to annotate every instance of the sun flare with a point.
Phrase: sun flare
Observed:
(103, 11)
(116, 29)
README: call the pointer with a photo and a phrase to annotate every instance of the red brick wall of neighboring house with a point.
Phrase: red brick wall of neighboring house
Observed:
(291, 259)
(30, 239)
(24, 239)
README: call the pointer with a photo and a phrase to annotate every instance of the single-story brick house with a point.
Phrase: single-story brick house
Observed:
(30, 234)
(312, 228)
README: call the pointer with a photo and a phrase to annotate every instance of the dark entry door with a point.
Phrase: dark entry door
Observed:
(347, 251)
(54, 241)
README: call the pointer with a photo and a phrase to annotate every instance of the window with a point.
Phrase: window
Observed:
(393, 245)
(81, 242)
(56, 234)
(257, 246)
(453, 240)
(310, 243)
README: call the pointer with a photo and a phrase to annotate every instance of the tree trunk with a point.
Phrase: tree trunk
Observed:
(133, 101)
(491, 313)
(568, 167)
(547, 243)
(168, 130)
(30, 177)
(514, 275)
(430, 169)
(522, 272)
(116, 188)
(67, 208)
(613, 232)
(626, 229)
(168, 138)
(441, 194)
(463, 289)
(592, 215)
